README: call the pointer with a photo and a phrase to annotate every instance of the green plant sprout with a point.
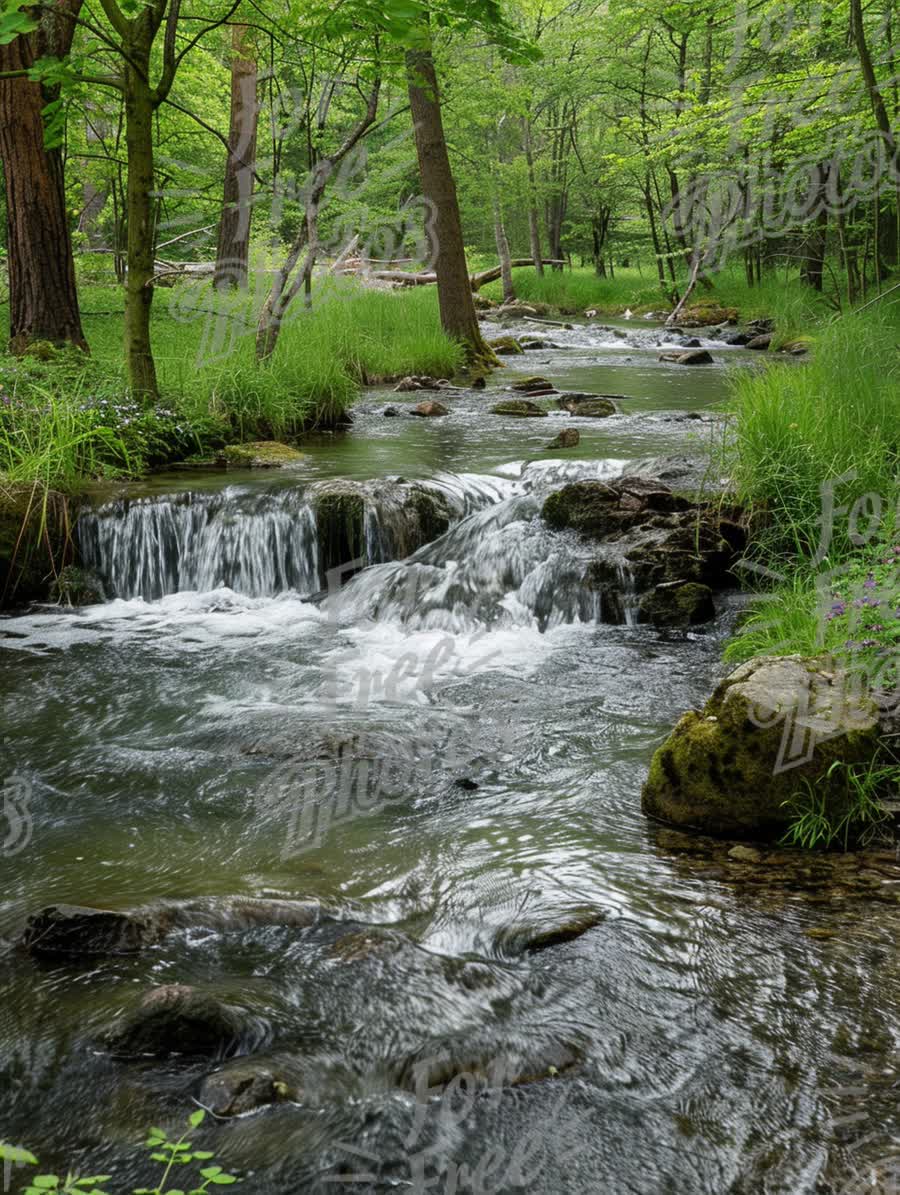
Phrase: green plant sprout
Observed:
(170, 1154)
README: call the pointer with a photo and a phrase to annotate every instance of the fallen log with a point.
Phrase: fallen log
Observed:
(482, 278)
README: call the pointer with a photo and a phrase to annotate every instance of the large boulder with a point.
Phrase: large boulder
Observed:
(677, 604)
(771, 730)
(652, 538)
(600, 509)
(77, 931)
(177, 1019)
(760, 343)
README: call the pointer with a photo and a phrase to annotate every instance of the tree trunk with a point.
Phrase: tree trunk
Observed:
(444, 232)
(534, 224)
(509, 291)
(814, 257)
(43, 301)
(139, 110)
(233, 252)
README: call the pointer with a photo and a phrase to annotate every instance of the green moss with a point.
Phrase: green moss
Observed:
(340, 524)
(261, 454)
(519, 407)
(506, 346)
(721, 769)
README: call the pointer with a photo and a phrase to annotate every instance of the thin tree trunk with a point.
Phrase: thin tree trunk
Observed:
(43, 300)
(233, 252)
(141, 223)
(447, 250)
(509, 291)
(534, 224)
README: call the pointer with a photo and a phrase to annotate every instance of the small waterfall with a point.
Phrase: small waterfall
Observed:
(500, 566)
(256, 544)
(264, 542)
(628, 593)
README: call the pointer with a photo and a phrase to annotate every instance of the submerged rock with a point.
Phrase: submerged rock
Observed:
(772, 726)
(569, 437)
(520, 407)
(430, 409)
(594, 408)
(260, 454)
(487, 1065)
(78, 930)
(530, 939)
(692, 357)
(246, 1086)
(178, 1019)
(534, 385)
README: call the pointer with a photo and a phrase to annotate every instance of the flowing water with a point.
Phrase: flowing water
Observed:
(446, 757)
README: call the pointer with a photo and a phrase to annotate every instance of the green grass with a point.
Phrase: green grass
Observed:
(782, 297)
(69, 417)
(798, 428)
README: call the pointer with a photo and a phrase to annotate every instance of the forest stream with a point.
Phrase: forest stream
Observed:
(446, 759)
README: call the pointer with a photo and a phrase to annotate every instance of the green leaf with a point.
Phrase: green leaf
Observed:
(197, 1118)
(211, 1171)
(45, 1182)
(223, 1180)
(203, 1155)
(17, 1155)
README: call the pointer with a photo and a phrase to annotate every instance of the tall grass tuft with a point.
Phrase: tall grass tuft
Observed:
(799, 427)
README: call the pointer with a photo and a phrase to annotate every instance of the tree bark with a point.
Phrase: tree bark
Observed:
(139, 110)
(445, 238)
(509, 291)
(534, 224)
(233, 252)
(43, 300)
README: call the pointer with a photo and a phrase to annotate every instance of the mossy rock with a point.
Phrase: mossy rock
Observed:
(340, 525)
(677, 604)
(506, 346)
(77, 587)
(520, 407)
(35, 544)
(773, 727)
(594, 408)
(261, 454)
(700, 315)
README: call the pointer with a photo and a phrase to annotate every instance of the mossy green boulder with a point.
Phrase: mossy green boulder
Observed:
(519, 407)
(261, 454)
(772, 729)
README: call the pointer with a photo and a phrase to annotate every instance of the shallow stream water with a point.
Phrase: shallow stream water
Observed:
(188, 741)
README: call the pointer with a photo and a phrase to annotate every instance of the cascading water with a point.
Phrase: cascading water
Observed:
(258, 543)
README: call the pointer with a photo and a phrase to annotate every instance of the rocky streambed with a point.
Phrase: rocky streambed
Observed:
(374, 882)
